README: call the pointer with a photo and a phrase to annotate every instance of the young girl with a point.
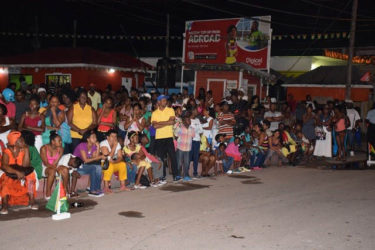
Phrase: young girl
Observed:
(33, 121)
(223, 159)
(339, 120)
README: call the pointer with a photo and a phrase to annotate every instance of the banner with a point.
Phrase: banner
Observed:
(230, 41)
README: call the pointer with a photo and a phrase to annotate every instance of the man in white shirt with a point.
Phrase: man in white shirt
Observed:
(94, 96)
(274, 117)
(195, 146)
(354, 119)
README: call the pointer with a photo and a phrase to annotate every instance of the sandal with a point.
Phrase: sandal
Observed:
(33, 207)
(73, 194)
(4, 212)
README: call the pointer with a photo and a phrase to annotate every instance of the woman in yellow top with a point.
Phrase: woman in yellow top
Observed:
(132, 148)
(231, 45)
(81, 118)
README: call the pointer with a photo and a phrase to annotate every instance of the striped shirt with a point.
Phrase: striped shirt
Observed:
(185, 136)
(226, 129)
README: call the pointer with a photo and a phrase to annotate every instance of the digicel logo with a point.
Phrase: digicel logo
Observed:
(209, 38)
(254, 61)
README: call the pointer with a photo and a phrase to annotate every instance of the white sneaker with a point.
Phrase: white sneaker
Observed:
(161, 183)
(154, 185)
(229, 172)
(139, 187)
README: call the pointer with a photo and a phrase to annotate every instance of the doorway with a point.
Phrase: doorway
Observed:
(217, 86)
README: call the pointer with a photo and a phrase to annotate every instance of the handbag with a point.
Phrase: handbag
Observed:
(105, 164)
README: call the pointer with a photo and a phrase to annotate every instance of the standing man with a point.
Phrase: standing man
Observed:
(354, 119)
(274, 117)
(162, 120)
(94, 96)
(21, 104)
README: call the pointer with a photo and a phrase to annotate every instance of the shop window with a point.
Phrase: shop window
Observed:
(59, 79)
(20, 79)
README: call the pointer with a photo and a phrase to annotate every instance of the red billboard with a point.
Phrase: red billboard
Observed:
(229, 41)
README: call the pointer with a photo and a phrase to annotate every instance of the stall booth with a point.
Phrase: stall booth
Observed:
(75, 66)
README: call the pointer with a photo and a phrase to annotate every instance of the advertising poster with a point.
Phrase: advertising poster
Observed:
(229, 41)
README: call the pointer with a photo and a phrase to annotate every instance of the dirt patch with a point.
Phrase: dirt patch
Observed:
(254, 181)
(183, 187)
(23, 212)
(132, 214)
(238, 176)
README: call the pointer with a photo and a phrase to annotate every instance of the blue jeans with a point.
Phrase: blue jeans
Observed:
(132, 172)
(194, 155)
(183, 160)
(227, 163)
(95, 172)
(257, 160)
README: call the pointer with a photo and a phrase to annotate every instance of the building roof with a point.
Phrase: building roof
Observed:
(66, 57)
(327, 75)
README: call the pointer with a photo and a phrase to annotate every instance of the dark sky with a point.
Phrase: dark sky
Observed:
(148, 18)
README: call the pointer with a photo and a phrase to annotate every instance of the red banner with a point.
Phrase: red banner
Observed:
(229, 41)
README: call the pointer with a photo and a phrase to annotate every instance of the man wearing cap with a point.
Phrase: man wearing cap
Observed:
(8, 101)
(162, 120)
(42, 93)
(94, 96)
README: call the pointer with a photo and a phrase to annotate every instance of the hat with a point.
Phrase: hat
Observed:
(161, 97)
(348, 101)
(241, 90)
(13, 137)
(41, 90)
(147, 95)
(8, 95)
(273, 100)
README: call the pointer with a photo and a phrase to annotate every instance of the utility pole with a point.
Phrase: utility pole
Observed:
(167, 38)
(74, 33)
(351, 49)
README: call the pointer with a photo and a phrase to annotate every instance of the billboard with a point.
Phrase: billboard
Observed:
(229, 41)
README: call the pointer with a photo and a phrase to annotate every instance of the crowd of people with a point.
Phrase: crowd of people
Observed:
(137, 138)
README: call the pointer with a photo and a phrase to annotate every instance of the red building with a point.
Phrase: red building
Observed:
(221, 78)
(79, 67)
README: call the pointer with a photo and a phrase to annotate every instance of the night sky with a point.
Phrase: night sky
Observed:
(147, 18)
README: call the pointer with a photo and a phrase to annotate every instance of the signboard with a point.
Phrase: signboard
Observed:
(230, 41)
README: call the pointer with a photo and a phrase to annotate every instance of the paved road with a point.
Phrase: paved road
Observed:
(276, 208)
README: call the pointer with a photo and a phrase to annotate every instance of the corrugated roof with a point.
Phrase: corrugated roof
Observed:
(327, 75)
(75, 56)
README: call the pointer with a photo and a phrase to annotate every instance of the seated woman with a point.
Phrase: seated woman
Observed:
(207, 159)
(89, 152)
(51, 154)
(33, 121)
(232, 150)
(135, 147)
(156, 163)
(112, 150)
(274, 153)
(18, 182)
(6, 124)
(259, 148)
(35, 160)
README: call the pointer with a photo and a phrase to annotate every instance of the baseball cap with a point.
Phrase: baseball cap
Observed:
(161, 97)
